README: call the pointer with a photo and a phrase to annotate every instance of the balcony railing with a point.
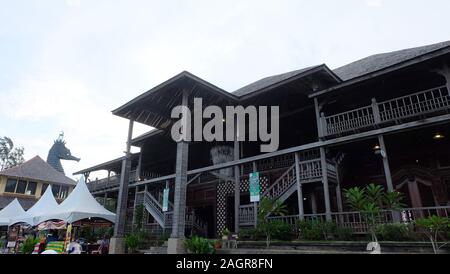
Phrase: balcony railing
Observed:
(412, 105)
(356, 220)
(111, 182)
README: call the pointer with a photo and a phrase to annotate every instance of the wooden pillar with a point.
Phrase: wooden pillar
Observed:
(105, 197)
(255, 204)
(122, 199)
(387, 170)
(139, 167)
(179, 213)
(326, 190)
(313, 202)
(301, 211)
(237, 192)
(320, 126)
(376, 111)
(338, 191)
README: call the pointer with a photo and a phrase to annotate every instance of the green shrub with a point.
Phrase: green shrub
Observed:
(343, 234)
(310, 230)
(132, 242)
(27, 246)
(198, 245)
(250, 234)
(393, 232)
(281, 231)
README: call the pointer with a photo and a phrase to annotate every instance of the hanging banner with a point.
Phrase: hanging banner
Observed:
(165, 200)
(68, 236)
(254, 187)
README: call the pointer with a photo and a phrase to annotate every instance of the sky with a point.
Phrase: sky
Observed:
(66, 64)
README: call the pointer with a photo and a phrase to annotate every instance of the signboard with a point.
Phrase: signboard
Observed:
(166, 200)
(254, 187)
(68, 236)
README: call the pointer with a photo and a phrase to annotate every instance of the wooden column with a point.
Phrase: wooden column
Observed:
(122, 199)
(313, 202)
(255, 204)
(387, 170)
(320, 126)
(179, 212)
(105, 197)
(326, 190)
(301, 211)
(338, 191)
(237, 192)
(139, 167)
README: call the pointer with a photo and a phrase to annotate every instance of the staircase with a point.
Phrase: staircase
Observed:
(309, 171)
(165, 219)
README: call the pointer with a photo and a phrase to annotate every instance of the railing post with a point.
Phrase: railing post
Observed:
(376, 111)
(301, 212)
(323, 125)
(255, 205)
(326, 190)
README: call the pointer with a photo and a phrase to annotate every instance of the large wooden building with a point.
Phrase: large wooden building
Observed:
(383, 119)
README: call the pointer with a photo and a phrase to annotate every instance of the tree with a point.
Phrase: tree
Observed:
(432, 227)
(10, 156)
(369, 201)
(266, 208)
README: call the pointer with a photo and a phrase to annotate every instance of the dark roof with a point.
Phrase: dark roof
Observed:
(24, 202)
(38, 169)
(270, 81)
(380, 61)
(379, 64)
(114, 165)
(138, 141)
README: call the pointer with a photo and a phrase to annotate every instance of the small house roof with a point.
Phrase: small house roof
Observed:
(38, 169)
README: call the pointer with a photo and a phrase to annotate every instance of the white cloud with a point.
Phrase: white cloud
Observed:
(375, 3)
(73, 3)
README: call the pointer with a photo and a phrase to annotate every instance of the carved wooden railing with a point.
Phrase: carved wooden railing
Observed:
(356, 220)
(246, 215)
(412, 105)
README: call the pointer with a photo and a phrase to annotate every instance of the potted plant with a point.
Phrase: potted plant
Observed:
(217, 244)
(226, 234)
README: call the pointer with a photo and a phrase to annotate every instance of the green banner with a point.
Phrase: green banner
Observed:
(254, 187)
(165, 200)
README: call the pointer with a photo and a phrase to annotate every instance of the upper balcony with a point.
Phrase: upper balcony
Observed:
(411, 107)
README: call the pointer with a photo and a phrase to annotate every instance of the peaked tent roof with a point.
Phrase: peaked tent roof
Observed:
(79, 205)
(45, 204)
(13, 209)
(38, 169)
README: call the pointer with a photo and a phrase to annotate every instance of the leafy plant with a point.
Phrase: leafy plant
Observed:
(393, 232)
(198, 245)
(266, 208)
(138, 216)
(250, 234)
(310, 230)
(132, 242)
(27, 246)
(432, 227)
(369, 201)
(226, 232)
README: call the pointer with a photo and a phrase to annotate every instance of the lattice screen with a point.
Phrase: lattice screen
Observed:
(226, 188)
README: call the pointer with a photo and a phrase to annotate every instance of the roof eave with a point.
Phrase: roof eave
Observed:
(384, 71)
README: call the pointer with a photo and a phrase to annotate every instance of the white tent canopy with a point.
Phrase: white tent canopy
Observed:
(45, 204)
(79, 205)
(12, 210)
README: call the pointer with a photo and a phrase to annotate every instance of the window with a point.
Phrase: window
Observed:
(63, 192)
(21, 187)
(55, 190)
(31, 188)
(11, 185)
(44, 188)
